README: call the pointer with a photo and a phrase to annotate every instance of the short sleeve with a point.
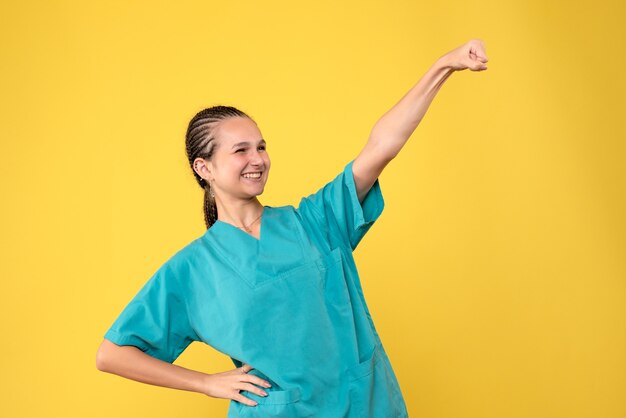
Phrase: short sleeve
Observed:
(155, 320)
(336, 209)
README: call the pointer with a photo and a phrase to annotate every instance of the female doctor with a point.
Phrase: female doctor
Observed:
(275, 288)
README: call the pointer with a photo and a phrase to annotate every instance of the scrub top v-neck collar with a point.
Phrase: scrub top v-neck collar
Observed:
(229, 225)
(256, 261)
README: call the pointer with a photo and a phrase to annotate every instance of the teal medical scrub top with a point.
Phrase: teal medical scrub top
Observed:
(289, 304)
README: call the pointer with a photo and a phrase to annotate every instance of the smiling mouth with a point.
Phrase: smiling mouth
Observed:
(255, 175)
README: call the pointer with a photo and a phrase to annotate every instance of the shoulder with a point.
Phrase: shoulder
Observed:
(287, 214)
(183, 261)
(278, 211)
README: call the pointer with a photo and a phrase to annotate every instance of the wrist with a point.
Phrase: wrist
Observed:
(444, 64)
(202, 383)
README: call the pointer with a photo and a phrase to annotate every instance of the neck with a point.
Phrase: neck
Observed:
(240, 212)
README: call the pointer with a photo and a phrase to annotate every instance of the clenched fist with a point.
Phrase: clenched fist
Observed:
(470, 55)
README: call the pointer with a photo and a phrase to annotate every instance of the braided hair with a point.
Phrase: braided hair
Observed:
(200, 143)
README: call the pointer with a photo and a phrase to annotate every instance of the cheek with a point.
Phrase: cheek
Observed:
(231, 167)
(237, 163)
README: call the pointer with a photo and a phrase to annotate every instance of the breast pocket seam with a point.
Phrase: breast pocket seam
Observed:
(334, 256)
(284, 275)
(366, 367)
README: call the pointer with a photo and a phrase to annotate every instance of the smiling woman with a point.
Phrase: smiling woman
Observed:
(235, 168)
(275, 288)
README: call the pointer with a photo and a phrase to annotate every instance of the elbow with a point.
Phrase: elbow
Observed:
(101, 360)
(386, 146)
(103, 357)
(384, 149)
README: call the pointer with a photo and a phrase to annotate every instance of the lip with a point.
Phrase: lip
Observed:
(253, 172)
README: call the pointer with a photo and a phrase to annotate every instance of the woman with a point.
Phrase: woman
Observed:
(275, 288)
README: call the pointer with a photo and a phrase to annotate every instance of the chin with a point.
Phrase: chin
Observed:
(255, 192)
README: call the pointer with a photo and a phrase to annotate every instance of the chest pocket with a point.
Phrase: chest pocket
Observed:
(321, 277)
(334, 277)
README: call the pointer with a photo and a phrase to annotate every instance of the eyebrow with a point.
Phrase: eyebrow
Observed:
(245, 143)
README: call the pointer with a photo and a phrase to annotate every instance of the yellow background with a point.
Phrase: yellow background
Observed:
(496, 275)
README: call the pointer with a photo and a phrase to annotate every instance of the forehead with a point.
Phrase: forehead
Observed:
(238, 129)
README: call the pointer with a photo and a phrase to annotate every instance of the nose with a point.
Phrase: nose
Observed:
(255, 158)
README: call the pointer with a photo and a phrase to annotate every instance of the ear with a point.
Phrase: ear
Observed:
(203, 168)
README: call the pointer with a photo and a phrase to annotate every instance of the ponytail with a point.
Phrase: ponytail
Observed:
(210, 208)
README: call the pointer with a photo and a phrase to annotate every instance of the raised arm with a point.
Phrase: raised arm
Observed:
(394, 128)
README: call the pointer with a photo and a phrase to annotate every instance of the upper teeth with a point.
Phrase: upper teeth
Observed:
(252, 175)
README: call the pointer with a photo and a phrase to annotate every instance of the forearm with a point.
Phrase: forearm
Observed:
(395, 127)
(132, 363)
